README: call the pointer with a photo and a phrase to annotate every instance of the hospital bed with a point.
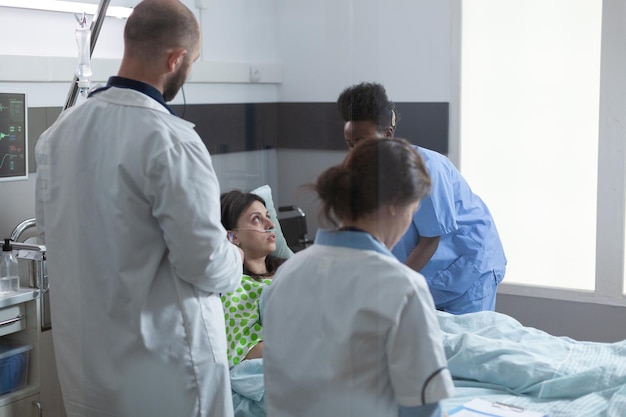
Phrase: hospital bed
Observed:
(493, 357)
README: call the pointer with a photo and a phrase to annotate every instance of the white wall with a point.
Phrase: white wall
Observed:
(320, 48)
(327, 45)
(235, 33)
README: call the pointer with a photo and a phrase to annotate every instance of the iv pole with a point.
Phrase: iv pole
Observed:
(96, 24)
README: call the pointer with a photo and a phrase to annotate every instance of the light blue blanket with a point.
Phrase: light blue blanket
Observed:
(492, 356)
(246, 379)
(559, 375)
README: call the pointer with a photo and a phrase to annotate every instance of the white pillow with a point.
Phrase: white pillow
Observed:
(282, 250)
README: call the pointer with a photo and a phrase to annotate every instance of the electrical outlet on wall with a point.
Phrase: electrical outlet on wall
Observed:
(255, 74)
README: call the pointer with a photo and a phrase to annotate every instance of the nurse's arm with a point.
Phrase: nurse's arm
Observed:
(422, 253)
(256, 351)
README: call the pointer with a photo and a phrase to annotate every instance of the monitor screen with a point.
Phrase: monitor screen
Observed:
(13, 136)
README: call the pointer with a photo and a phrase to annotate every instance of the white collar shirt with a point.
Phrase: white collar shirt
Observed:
(350, 331)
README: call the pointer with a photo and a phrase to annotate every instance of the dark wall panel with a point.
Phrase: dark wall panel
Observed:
(239, 127)
(319, 125)
(424, 124)
(310, 126)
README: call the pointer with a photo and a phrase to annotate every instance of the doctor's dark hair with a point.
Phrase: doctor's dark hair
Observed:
(156, 25)
(376, 172)
(368, 101)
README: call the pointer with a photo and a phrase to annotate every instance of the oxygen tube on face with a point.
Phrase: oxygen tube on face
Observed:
(83, 41)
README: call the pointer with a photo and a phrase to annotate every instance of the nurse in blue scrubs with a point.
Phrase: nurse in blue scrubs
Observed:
(453, 240)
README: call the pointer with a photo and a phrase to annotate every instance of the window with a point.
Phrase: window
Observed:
(528, 132)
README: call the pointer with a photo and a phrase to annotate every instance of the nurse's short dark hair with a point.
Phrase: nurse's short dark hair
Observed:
(368, 101)
(374, 173)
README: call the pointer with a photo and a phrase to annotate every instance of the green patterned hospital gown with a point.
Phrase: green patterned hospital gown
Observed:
(241, 310)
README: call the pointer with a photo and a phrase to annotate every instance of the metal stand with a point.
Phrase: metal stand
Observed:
(96, 24)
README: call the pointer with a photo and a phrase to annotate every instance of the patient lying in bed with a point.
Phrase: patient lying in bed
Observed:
(492, 356)
(249, 225)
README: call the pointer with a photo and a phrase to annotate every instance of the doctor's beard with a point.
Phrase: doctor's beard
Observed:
(173, 84)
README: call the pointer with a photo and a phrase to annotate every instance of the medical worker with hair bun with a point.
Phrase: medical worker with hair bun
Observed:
(348, 329)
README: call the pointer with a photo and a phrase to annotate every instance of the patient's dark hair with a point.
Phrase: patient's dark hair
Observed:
(368, 101)
(374, 173)
(234, 203)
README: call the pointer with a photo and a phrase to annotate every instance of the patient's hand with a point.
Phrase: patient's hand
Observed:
(256, 351)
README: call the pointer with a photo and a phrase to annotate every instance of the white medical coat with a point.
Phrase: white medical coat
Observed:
(350, 331)
(128, 205)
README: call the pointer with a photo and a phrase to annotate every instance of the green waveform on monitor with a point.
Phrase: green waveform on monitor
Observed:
(3, 135)
(8, 155)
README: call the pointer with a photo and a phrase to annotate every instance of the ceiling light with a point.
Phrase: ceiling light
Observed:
(66, 6)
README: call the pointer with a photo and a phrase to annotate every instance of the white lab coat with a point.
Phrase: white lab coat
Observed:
(350, 331)
(128, 205)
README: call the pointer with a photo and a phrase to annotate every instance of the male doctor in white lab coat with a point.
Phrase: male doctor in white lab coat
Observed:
(128, 205)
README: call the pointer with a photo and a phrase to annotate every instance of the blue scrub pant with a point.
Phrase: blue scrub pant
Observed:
(479, 297)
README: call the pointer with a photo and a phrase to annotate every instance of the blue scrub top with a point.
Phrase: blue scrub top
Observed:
(470, 245)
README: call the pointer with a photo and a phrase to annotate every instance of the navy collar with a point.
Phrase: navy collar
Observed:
(139, 86)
